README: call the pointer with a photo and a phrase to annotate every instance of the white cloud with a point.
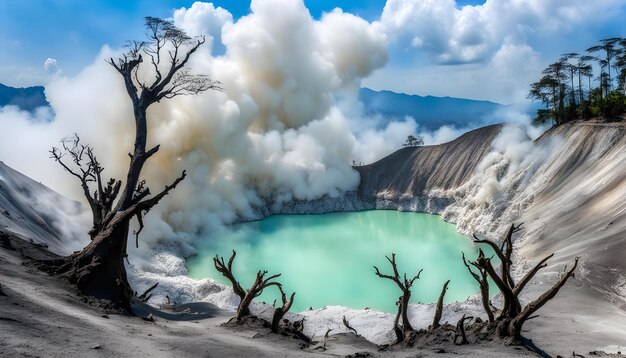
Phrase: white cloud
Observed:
(491, 51)
(51, 65)
(474, 33)
(203, 19)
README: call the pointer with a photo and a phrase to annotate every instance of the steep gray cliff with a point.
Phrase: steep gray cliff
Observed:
(417, 170)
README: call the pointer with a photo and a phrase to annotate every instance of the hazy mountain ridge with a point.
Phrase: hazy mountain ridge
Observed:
(428, 111)
(26, 98)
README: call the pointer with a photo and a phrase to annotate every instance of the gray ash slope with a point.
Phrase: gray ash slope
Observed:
(416, 170)
(36, 212)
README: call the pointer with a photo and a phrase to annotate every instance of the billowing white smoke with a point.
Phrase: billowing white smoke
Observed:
(504, 183)
(287, 125)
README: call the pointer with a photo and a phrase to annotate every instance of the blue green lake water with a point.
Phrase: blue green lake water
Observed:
(327, 259)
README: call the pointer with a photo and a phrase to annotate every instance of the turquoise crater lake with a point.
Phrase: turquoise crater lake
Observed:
(327, 259)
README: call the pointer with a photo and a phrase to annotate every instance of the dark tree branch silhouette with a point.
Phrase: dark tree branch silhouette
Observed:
(280, 312)
(246, 297)
(84, 165)
(513, 315)
(483, 282)
(439, 307)
(405, 285)
(348, 326)
(98, 270)
(460, 330)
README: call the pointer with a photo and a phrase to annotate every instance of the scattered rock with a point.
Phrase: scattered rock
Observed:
(97, 346)
(440, 350)
(105, 316)
(150, 318)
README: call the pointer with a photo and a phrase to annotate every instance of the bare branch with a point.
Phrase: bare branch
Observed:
(545, 297)
(530, 274)
(227, 271)
(147, 204)
(144, 296)
(140, 221)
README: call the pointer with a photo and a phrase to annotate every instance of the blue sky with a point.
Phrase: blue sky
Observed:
(424, 49)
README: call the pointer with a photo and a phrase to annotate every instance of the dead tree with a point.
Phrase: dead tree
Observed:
(460, 330)
(348, 326)
(246, 297)
(280, 312)
(483, 282)
(405, 285)
(439, 307)
(513, 315)
(84, 165)
(98, 270)
(227, 271)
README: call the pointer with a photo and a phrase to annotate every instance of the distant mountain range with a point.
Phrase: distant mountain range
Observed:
(27, 98)
(428, 111)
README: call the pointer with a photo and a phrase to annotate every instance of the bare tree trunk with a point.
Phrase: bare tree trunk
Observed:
(406, 324)
(98, 270)
(280, 312)
(460, 330)
(439, 307)
(483, 282)
(396, 322)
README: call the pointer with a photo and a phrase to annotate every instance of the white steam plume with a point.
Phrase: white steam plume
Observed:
(285, 127)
